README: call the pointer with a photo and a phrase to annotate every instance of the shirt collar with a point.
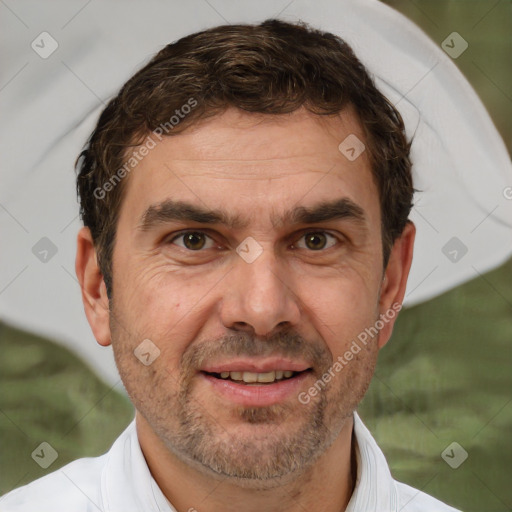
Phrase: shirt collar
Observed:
(128, 485)
(375, 488)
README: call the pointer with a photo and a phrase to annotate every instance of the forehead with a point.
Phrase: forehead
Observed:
(254, 165)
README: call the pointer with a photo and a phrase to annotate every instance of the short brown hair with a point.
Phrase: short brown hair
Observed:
(272, 68)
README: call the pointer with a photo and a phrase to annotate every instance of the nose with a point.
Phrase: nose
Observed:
(259, 297)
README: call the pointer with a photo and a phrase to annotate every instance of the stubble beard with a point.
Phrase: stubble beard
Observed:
(270, 455)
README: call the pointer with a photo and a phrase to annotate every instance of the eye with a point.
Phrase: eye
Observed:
(193, 240)
(317, 240)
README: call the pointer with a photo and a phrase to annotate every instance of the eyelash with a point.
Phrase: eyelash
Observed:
(183, 233)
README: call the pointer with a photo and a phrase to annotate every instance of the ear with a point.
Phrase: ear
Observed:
(94, 291)
(395, 281)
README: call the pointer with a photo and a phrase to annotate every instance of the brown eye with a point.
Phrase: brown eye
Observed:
(193, 240)
(317, 240)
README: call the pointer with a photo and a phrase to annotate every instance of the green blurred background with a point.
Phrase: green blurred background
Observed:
(445, 376)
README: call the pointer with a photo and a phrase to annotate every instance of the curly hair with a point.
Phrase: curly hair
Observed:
(272, 68)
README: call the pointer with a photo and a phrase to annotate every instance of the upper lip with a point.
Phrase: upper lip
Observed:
(256, 366)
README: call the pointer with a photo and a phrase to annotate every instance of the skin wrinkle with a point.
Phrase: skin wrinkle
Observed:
(178, 211)
(194, 444)
(312, 70)
(195, 441)
(209, 305)
(258, 116)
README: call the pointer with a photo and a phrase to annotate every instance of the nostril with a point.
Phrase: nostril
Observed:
(242, 326)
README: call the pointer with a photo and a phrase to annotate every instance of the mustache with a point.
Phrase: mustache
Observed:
(287, 344)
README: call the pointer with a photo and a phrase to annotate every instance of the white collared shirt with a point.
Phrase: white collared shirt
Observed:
(120, 481)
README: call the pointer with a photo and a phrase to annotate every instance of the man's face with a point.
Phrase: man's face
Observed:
(290, 298)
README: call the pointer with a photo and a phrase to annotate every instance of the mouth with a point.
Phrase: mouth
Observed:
(252, 384)
(256, 378)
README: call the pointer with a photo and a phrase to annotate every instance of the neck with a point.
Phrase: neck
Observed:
(329, 481)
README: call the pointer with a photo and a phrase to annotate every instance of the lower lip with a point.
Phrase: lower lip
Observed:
(254, 395)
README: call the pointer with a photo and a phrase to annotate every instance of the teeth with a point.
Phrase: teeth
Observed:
(251, 377)
(266, 377)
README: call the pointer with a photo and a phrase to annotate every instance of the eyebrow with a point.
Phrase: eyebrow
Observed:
(174, 211)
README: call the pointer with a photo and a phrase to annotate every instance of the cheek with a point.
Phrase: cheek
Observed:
(170, 296)
(342, 308)
(162, 304)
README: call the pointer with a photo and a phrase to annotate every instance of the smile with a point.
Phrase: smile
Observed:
(256, 378)
(256, 388)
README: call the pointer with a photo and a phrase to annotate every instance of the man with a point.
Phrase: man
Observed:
(245, 251)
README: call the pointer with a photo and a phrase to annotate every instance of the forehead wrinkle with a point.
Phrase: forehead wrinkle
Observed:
(172, 210)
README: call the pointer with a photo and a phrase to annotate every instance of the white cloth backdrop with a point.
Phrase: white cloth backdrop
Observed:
(49, 106)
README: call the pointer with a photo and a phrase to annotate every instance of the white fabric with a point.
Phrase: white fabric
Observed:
(49, 106)
(120, 481)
